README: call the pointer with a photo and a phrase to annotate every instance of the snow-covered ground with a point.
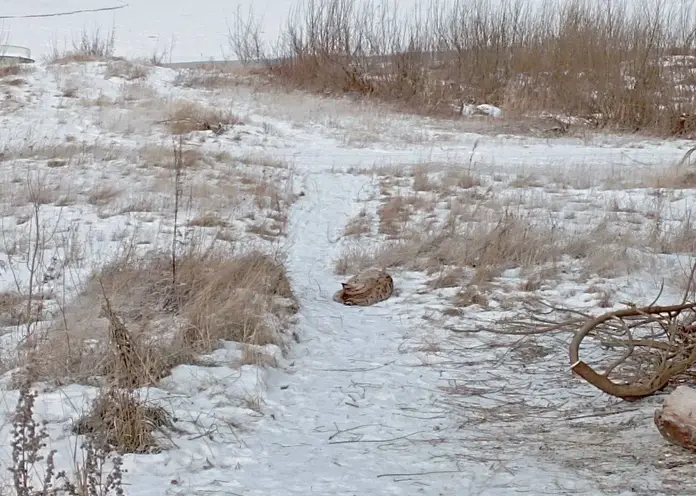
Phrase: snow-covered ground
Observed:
(391, 399)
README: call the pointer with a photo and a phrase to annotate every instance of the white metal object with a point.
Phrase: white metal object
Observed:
(13, 53)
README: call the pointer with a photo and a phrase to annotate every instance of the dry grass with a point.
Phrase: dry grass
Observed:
(103, 195)
(480, 229)
(130, 71)
(488, 247)
(29, 458)
(120, 421)
(7, 70)
(62, 154)
(262, 160)
(514, 55)
(13, 74)
(206, 78)
(17, 310)
(208, 220)
(90, 46)
(218, 295)
(252, 355)
(163, 156)
(137, 91)
(187, 117)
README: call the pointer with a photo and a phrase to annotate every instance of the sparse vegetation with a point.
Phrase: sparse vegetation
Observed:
(219, 295)
(189, 116)
(90, 46)
(130, 71)
(207, 79)
(29, 459)
(359, 225)
(479, 229)
(146, 290)
(632, 70)
(120, 421)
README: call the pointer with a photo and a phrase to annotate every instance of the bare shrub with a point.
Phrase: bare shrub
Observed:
(244, 38)
(627, 70)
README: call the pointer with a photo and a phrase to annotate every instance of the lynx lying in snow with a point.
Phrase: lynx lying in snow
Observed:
(366, 288)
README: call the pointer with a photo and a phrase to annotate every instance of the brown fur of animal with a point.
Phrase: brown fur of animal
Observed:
(366, 288)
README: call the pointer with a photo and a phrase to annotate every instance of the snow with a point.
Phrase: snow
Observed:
(397, 398)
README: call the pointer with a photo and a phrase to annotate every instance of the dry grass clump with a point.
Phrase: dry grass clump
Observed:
(163, 156)
(252, 355)
(136, 91)
(16, 309)
(187, 117)
(395, 213)
(262, 160)
(631, 69)
(475, 249)
(102, 195)
(455, 178)
(135, 319)
(29, 459)
(359, 225)
(422, 180)
(127, 70)
(681, 175)
(120, 421)
(208, 220)
(7, 70)
(472, 237)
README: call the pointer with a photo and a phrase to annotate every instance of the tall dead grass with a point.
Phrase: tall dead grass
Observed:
(621, 64)
(217, 294)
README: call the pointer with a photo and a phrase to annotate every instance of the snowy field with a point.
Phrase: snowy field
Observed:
(417, 395)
